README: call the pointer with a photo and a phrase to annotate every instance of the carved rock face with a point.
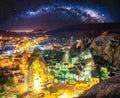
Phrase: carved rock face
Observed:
(36, 67)
(117, 57)
(107, 48)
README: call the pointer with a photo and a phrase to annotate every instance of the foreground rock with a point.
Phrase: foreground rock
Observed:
(109, 88)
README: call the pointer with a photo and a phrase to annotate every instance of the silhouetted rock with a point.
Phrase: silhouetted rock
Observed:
(109, 88)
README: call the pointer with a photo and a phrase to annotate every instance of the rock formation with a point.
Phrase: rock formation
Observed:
(105, 46)
(109, 88)
(36, 68)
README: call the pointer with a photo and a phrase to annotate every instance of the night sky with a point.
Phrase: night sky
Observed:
(51, 14)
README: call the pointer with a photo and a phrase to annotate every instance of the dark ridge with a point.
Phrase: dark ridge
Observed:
(88, 29)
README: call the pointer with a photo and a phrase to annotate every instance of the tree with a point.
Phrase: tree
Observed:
(103, 75)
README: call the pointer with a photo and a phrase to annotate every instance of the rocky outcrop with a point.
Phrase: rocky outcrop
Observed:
(83, 45)
(36, 69)
(104, 46)
(117, 57)
(109, 88)
(108, 48)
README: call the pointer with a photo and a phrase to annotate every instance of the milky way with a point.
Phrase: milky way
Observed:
(85, 15)
(54, 16)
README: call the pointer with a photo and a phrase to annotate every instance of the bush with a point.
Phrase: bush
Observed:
(1, 91)
(9, 83)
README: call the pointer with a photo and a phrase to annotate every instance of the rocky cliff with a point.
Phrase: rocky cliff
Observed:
(105, 49)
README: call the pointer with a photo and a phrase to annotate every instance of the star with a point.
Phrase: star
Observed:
(83, 13)
(55, 15)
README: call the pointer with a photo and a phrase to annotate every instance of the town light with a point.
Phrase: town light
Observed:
(37, 81)
(66, 94)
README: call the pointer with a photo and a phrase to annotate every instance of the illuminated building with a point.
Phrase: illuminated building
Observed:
(71, 69)
(94, 81)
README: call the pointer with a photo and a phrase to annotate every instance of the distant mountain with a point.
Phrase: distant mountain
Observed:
(86, 29)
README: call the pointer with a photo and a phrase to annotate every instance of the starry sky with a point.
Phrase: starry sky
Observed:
(51, 14)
